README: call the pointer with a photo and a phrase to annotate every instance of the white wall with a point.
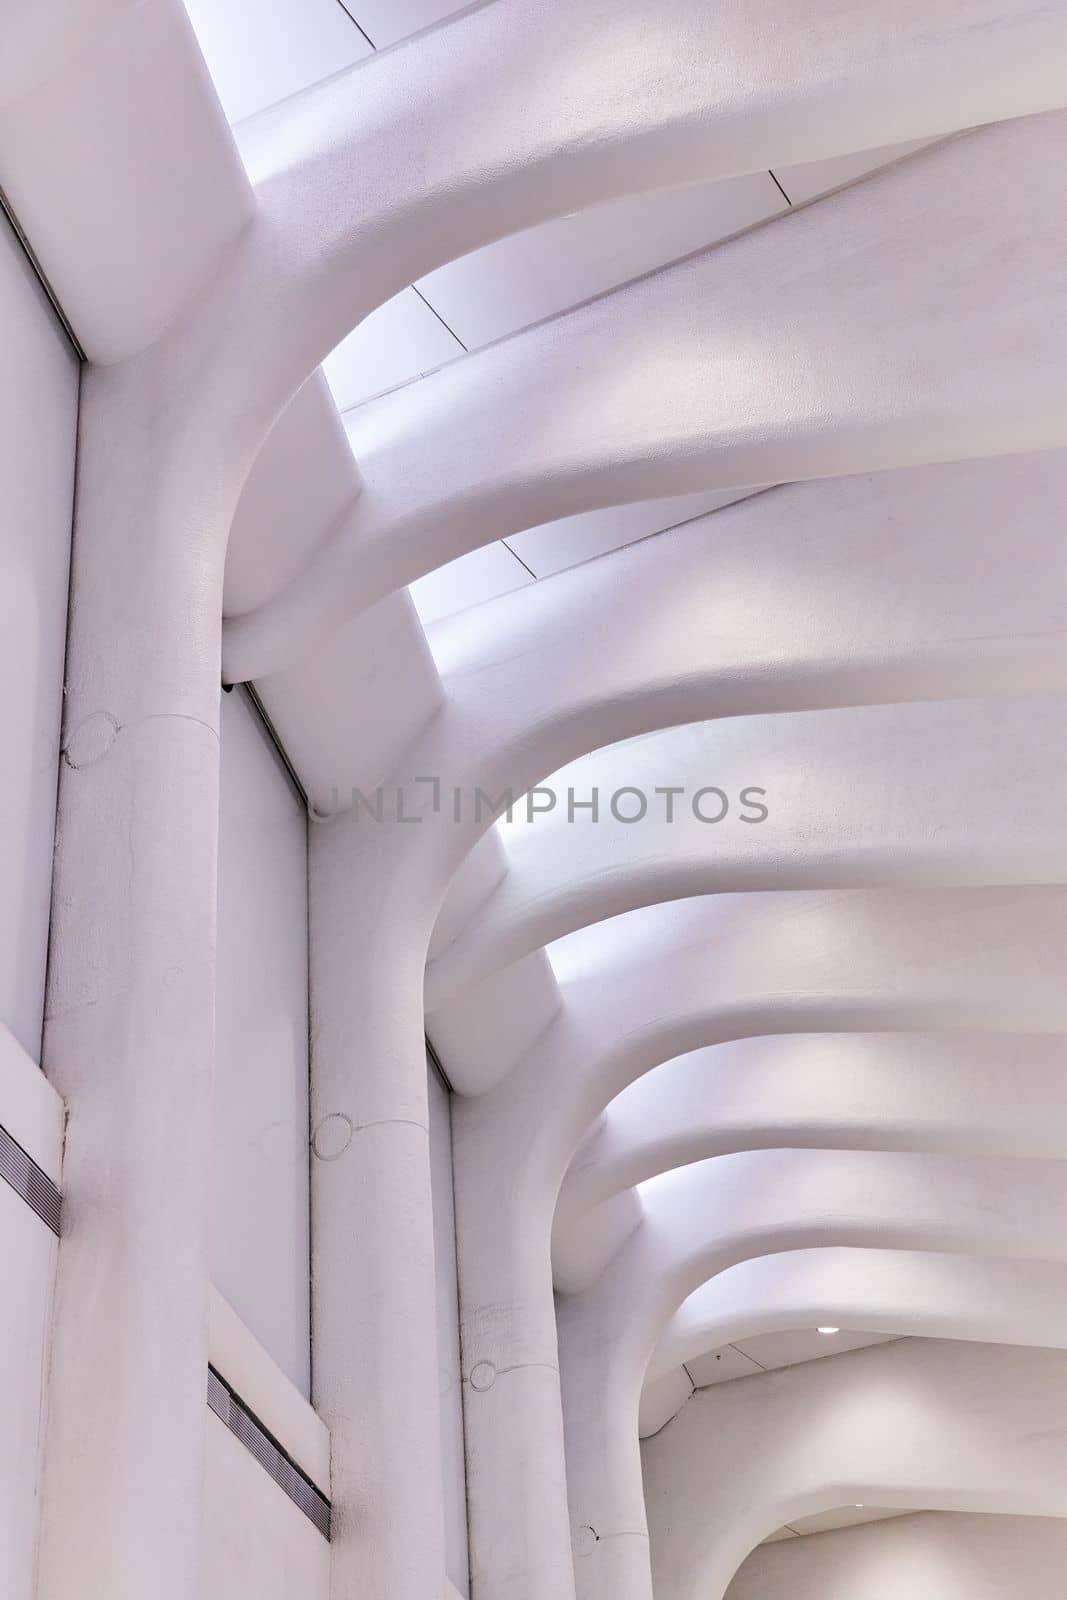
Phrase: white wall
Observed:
(256, 1541)
(260, 1248)
(38, 421)
(934, 1556)
(32, 1114)
(448, 1353)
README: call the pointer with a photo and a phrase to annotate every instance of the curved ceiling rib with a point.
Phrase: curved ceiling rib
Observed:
(768, 1201)
(863, 345)
(828, 1050)
(972, 1094)
(514, 125)
(813, 364)
(848, 798)
(911, 1424)
(990, 1299)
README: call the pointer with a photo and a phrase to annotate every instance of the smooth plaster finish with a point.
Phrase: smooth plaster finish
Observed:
(243, 291)
(767, 1200)
(453, 1462)
(811, 367)
(995, 1300)
(856, 796)
(255, 1540)
(840, 1091)
(38, 418)
(261, 1243)
(933, 1556)
(237, 1355)
(31, 1112)
(906, 628)
(913, 1424)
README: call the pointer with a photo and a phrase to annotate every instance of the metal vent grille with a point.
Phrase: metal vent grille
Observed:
(29, 1182)
(231, 1410)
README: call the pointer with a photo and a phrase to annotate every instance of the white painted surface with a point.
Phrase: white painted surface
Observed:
(365, 183)
(399, 341)
(811, 178)
(256, 1541)
(453, 1464)
(769, 389)
(987, 1298)
(544, 270)
(910, 1425)
(386, 21)
(38, 419)
(239, 1358)
(97, 102)
(260, 51)
(933, 1556)
(555, 546)
(765, 1352)
(28, 1252)
(31, 1113)
(261, 1248)
(478, 576)
(30, 1109)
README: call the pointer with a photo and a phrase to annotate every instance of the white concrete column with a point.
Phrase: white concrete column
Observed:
(520, 1546)
(129, 1024)
(375, 1369)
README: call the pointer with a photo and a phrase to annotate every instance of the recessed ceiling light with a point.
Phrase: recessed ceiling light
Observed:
(828, 1330)
(858, 1506)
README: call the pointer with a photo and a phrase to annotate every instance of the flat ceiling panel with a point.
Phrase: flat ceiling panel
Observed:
(805, 1344)
(480, 575)
(555, 546)
(812, 178)
(260, 51)
(400, 341)
(386, 21)
(544, 270)
(844, 1517)
(720, 1366)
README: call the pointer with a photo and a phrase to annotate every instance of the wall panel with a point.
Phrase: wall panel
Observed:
(38, 424)
(260, 1249)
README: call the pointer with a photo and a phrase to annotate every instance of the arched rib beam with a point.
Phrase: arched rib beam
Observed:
(705, 1219)
(667, 980)
(522, 117)
(810, 366)
(895, 1292)
(913, 1424)
(899, 794)
(854, 591)
(976, 1094)
(850, 591)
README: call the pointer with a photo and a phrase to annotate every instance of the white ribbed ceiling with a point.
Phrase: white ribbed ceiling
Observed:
(866, 924)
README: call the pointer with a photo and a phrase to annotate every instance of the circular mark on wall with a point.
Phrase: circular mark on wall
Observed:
(333, 1136)
(483, 1376)
(585, 1540)
(90, 740)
